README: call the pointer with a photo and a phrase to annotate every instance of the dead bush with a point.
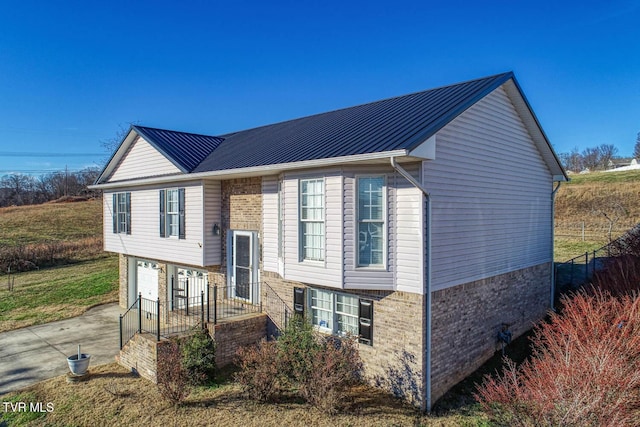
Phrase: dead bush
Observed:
(259, 373)
(584, 371)
(172, 377)
(335, 367)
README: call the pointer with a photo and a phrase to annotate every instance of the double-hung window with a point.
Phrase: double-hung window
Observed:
(371, 221)
(122, 213)
(334, 312)
(172, 215)
(312, 219)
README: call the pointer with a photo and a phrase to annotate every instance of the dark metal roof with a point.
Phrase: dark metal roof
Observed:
(185, 150)
(392, 124)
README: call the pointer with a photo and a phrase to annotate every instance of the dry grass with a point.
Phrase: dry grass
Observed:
(50, 222)
(586, 201)
(111, 396)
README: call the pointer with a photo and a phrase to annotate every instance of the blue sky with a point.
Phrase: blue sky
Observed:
(74, 73)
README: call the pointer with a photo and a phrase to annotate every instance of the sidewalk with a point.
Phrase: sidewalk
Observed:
(36, 353)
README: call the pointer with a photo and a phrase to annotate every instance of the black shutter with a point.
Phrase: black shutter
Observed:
(162, 218)
(181, 230)
(128, 213)
(365, 321)
(298, 301)
(115, 213)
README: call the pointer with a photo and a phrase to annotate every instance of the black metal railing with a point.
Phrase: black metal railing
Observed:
(578, 271)
(276, 309)
(226, 301)
(182, 314)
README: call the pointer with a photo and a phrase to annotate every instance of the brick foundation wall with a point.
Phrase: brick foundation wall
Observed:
(140, 354)
(235, 333)
(394, 361)
(466, 320)
(123, 267)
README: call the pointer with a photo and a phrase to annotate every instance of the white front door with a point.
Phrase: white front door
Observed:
(243, 266)
(147, 279)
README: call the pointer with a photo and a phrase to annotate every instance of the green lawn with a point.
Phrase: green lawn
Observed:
(604, 177)
(57, 293)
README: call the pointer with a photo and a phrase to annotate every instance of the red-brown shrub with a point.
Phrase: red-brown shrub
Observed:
(259, 373)
(172, 377)
(585, 369)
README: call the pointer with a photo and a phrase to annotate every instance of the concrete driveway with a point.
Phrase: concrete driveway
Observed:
(36, 353)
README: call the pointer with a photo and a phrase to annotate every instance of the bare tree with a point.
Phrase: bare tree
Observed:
(110, 145)
(607, 153)
(636, 148)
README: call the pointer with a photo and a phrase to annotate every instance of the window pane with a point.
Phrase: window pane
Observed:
(312, 219)
(321, 308)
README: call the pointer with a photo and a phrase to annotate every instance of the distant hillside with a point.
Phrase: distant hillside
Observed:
(591, 198)
(36, 236)
(48, 222)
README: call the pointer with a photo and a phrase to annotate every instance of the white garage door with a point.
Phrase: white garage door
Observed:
(147, 279)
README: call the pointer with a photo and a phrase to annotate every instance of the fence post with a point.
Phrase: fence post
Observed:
(571, 276)
(586, 267)
(186, 284)
(158, 320)
(140, 312)
(202, 309)
(208, 305)
(120, 332)
(215, 304)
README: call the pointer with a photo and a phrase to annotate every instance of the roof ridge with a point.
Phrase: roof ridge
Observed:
(176, 131)
(505, 74)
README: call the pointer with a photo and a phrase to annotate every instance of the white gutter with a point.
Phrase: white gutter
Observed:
(553, 237)
(425, 405)
(249, 171)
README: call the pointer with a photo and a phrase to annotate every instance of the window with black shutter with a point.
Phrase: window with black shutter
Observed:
(298, 301)
(172, 213)
(121, 213)
(365, 321)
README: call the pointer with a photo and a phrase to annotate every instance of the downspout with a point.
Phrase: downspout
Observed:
(425, 404)
(553, 229)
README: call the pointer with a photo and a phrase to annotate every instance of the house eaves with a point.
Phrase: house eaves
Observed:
(257, 170)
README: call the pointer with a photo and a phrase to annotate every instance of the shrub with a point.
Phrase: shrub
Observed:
(259, 373)
(585, 368)
(172, 377)
(335, 367)
(199, 357)
(298, 346)
(318, 368)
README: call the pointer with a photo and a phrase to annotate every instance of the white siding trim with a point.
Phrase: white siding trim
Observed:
(270, 223)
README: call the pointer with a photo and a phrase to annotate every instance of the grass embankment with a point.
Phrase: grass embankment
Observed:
(57, 293)
(35, 224)
(111, 396)
(586, 201)
(68, 235)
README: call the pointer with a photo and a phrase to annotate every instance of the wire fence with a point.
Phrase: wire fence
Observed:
(591, 230)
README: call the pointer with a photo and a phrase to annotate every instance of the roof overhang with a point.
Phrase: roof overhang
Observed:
(401, 155)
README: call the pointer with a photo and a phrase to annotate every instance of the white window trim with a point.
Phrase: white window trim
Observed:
(385, 220)
(121, 228)
(317, 262)
(334, 311)
(167, 214)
